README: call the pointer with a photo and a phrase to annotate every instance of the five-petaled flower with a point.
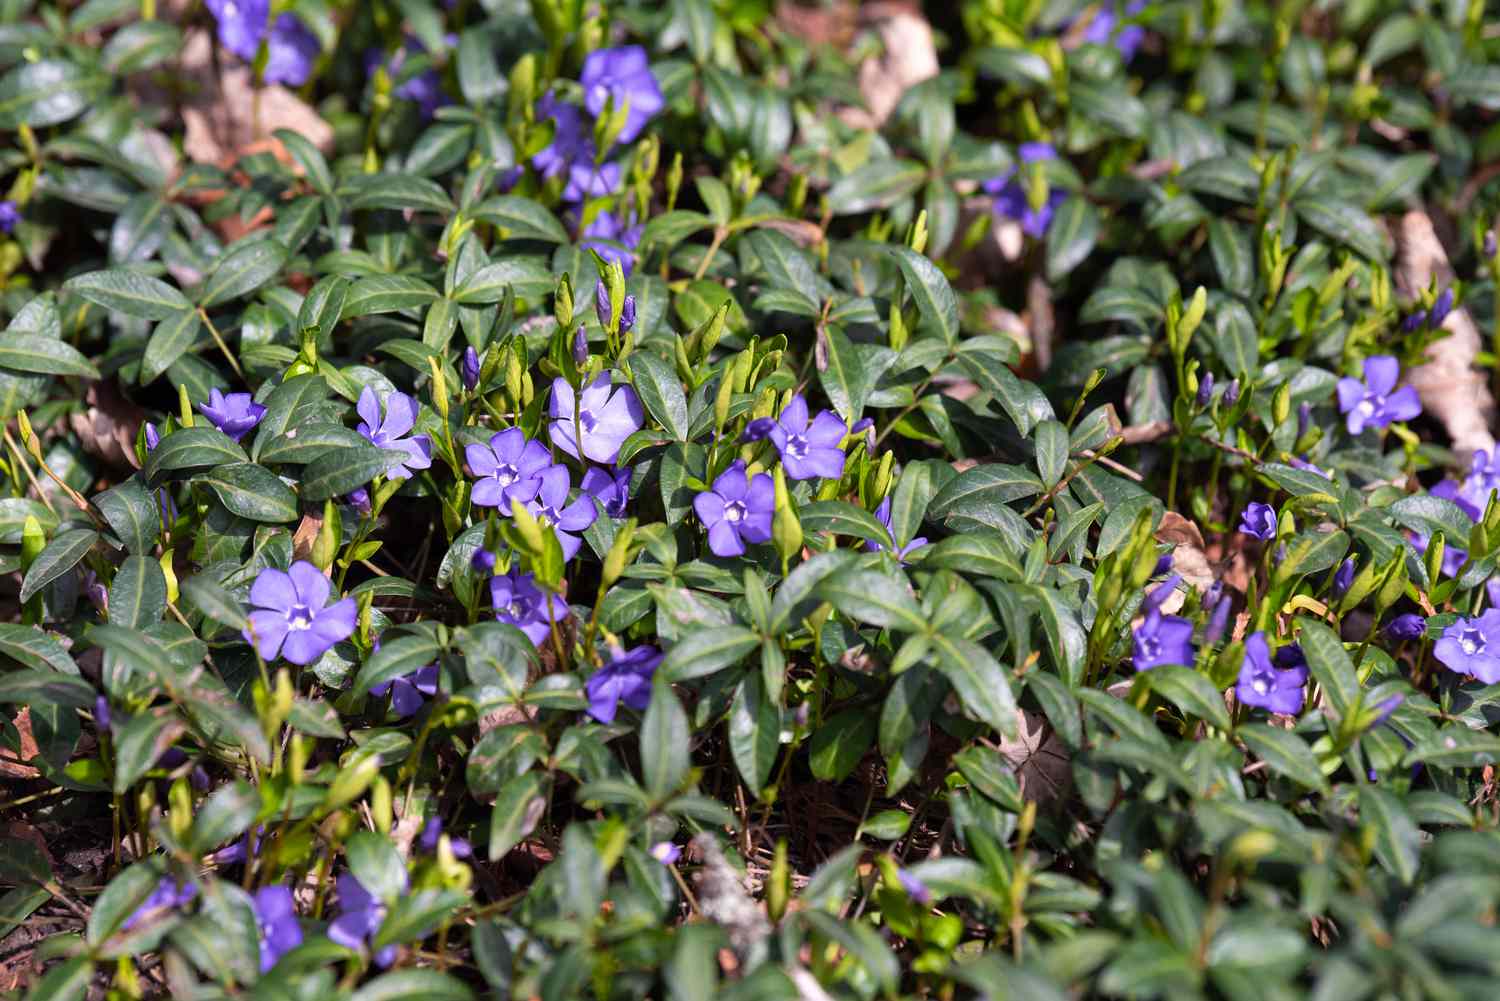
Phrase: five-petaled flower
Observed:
(234, 414)
(610, 488)
(883, 515)
(1373, 403)
(571, 141)
(408, 691)
(587, 179)
(665, 852)
(292, 616)
(276, 917)
(552, 510)
(168, 895)
(808, 450)
(509, 469)
(360, 915)
(1101, 30)
(1012, 198)
(737, 510)
(1472, 646)
(291, 48)
(1259, 521)
(613, 238)
(1162, 639)
(521, 603)
(1277, 687)
(626, 678)
(607, 415)
(621, 74)
(400, 418)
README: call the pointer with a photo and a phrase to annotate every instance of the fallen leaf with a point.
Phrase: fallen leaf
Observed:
(108, 427)
(910, 57)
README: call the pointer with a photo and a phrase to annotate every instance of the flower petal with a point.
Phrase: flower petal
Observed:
(273, 589)
(312, 586)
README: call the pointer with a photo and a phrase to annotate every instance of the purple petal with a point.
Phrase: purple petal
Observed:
(273, 589)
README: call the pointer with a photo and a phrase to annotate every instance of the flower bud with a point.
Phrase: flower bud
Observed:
(1489, 243)
(1343, 577)
(1160, 593)
(1304, 418)
(758, 429)
(627, 314)
(153, 437)
(1205, 389)
(1232, 393)
(1441, 308)
(601, 303)
(1414, 322)
(102, 716)
(580, 347)
(1218, 622)
(471, 368)
(1410, 626)
(483, 561)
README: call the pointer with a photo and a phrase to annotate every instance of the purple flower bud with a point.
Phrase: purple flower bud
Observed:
(1259, 521)
(1304, 418)
(1441, 308)
(758, 429)
(10, 214)
(471, 368)
(1163, 565)
(1414, 322)
(199, 778)
(580, 348)
(862, 425)
(665, 852)
(510, 178)
(1343, 578)
(1489, 243)
(601, 303)
(483, 561)
(101, 713)
(1161, 592)
(914, 887)
(1406, 627)
(627, 314)
(1205, 389)
(360, 501)
(1211, 596)
(153, 437)
(1232, 393)
(1218, 622)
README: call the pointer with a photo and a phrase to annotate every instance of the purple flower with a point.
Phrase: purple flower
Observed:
(883, 515)
(570, 138)
(1308, 467)
(613, 239)
(1163, 639)
(234, 414)
(291, 51)
(611, 489)
(587, 179)
(238, 851)
(360, 917)
(1231, 393)
(1473, 495)
(241, 24)
(471, 368)
(1101, 30)
(520, 603)
(153, 437)
(1441, 308)
(624, 75)
(425, 89)
(400, 418)
(1259, 521)
(360, 501)
(10, 214)
(1371, 403)
(1012, 200)
(432, 833)
(1205, 390)
(607, 415)
(407, 691)
(483, 560)
(1472, 646)
(1154, 598)
(626, 678)
(665, 852)
(290, 616)
(580, 347)
(276, 916)
(914, 887)
(602, 308)
(807, 451)
(508, 469)
(1414, 322)
(508, 179)
(1343, 578)
(1218, 621)
(551, 508)
(102, 716)
(737, 510)
(1265, 685)
(168, 895)
(1409, 626)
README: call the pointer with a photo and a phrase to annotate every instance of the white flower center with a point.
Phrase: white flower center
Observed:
(796, 446)
(299, 618)
(734, 512)
(1471, 642)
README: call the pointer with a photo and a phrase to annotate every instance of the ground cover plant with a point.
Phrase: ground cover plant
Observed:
(715, 499)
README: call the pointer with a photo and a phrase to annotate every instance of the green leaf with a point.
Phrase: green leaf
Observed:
(60, 555)
(323, 305)
(672, 228)
(528, 277)
(47, 92)
(401, 191)
(1023, 402)
(1071, 236)
(395, 658)
(664, 741)
(971, 493)
(287, 407)
(660, 390)
(849, 375)
(122, 290)
(879, 184)
(387, 294)
(1052, 448)
(374, 861)
(47, 687)
(252, 492)
(302, 444)
(840, 743)
(131, 513)
(309, 158)
(342, 471)
(38, 353)
(708, 651)
(876, 598)
(931, 292)
(196, 447)
(1284, 753)
(139, 741)
(213, 600)
(842, 518)
(520, 218)
(138, 594)
(754, 732)
(516, 812)
(242, 271)
(1347, 223)
(33, 648)
(414, 985)
(1398, 840)
(1330, 665)
(169, 340)
(1189, 691)
(67, 981)
(980, 681)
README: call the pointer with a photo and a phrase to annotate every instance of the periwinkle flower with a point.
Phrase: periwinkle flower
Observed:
(1408, 626)
(551, 509)
(1472, 646)
(1373, 403)
(1218, 621)
(234, 414)
(1267, 686)
(483, 560)
(509, 468)
(1012, 200)
(587, 179)
(10, 214)
(292, 616)
(626, 678)
(1162, 639)
(602, 306)
(519, 602)
(883, 515)
(276, 918)
(291, 48)
(1441, 308)
(1159, 594)
(400, 418)
(470, 368)
(607, 415)
(917, 890)
(1205, 390)
(102, 716)
(1307, 467)
(432, 834)
(153, 436)
(360, 915)
(360, 501)
(580, 347)
(1483, 480)
(1414, 322)
(613, 238)
(425, 89)
(1259, 521)
(624, 75)
(737, 510)
(1343, 578)
(408, 691)
(570, 138)
(666, 853)
(1304, 418)
(1231, 393)
(609, 488)
(241, 24)
(1101, 30)
(808, 450)
(168, 895)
